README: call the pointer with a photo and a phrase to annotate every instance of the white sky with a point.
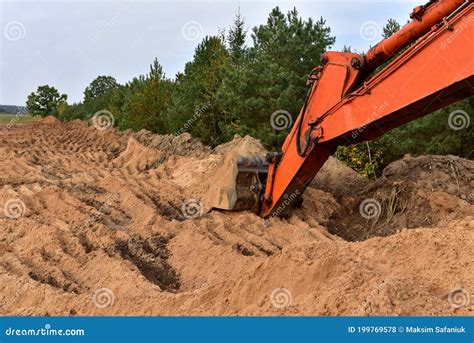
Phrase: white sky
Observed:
(66, 44)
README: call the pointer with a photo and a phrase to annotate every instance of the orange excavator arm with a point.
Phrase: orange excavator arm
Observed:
(347, 104)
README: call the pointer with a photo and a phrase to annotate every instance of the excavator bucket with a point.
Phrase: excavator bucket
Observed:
(241, 184)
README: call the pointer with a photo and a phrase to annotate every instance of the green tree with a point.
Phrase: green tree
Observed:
(236, 38)
(145, 100)
(99, 87)
(390, 28)
(272, 76)
(45, 101)
(346, 48)
(103, 93)
(436, 133)
(194, 107)
(73, 111)
(365, 158)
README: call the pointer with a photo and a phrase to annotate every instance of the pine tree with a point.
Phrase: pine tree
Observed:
(147, 101)
(273, 75)
(193, 108)
(236, 38)
(390, 28)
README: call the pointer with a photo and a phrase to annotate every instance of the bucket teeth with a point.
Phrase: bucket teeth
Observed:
(239, 184)
(250, 182)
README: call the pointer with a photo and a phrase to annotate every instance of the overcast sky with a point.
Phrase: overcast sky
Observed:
(67, 43)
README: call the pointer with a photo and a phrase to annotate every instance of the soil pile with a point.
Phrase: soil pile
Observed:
(49, 120)
(425, 191)
(106, 223)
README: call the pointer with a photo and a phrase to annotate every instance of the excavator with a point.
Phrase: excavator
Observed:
(428, 64)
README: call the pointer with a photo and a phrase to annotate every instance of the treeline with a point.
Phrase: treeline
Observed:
(228, 88)
(231, 87)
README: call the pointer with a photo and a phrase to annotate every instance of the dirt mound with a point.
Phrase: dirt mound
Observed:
(49, 120)
(241, 146)
(413, 192)
(182, 145)
(207, 178)
(332, 277)
(338, 179)
(108, 223)
(449, 174)
(139, 157)
(78, 123)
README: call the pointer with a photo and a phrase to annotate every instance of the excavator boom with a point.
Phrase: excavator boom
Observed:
(347, 104)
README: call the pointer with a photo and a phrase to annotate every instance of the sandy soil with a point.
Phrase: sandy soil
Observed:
(106, 223)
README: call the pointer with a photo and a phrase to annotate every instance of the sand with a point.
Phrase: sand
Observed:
(108, 223)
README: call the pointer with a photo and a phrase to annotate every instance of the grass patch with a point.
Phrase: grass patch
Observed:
(17, 118)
